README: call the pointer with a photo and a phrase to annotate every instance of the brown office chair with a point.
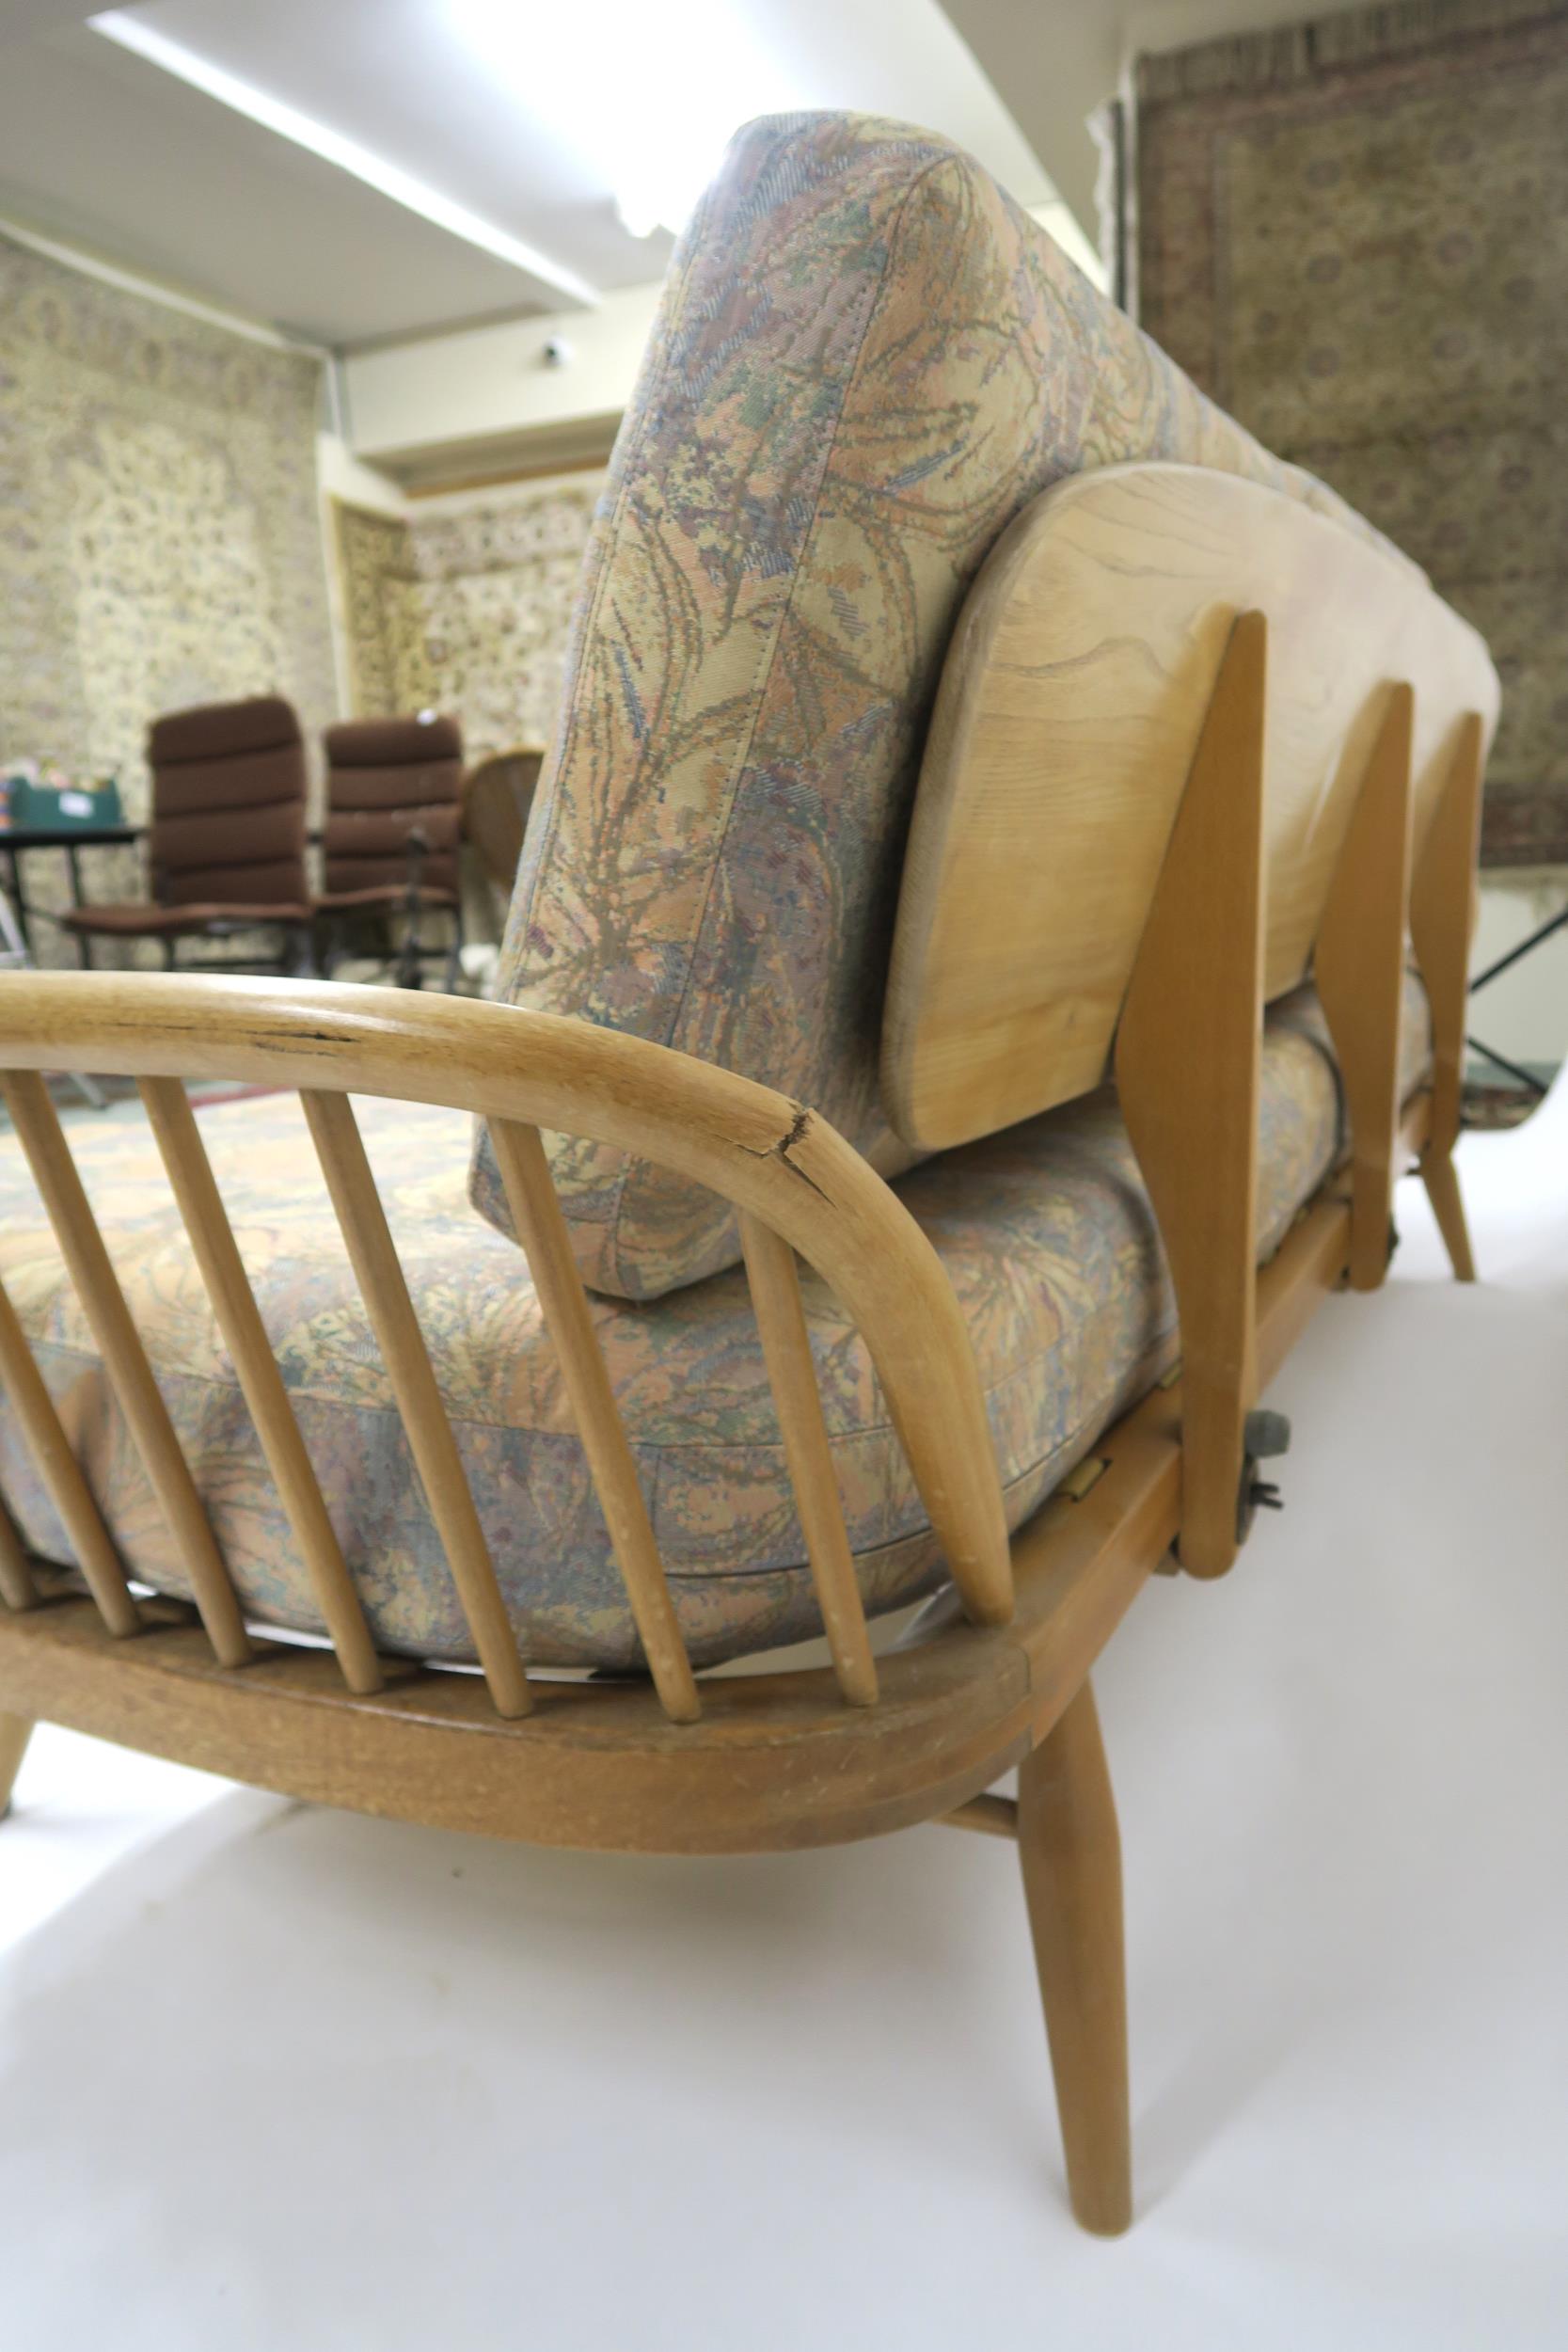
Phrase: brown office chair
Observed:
(225, 848)
(392, 823)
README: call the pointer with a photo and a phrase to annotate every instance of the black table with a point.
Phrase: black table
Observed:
(18, 839)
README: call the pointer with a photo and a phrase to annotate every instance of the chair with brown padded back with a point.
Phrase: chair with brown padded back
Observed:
(226, 846)
(393, 793)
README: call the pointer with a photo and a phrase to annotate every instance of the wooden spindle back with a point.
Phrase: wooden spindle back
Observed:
(795, 1181)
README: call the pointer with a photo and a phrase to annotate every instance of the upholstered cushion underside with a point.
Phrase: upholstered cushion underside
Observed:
(1044, 1231)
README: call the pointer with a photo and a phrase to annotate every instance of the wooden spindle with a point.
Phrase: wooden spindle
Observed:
(125, 1361)
(61, 1473)
(212, 1239)
(379, 1273)
(17, 1589)
(786, 1350)
(542, 1231)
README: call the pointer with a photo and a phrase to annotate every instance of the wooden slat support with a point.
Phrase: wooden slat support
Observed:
(17, 1589)
(125, 1361)
(1187, 1065)
(542, 1231)
(1360, 970)
(993, 1817)
(15, 1732)
(212, 1239)
(374, 1259)
(61, 1473)
(1070, 1850)
(1442, 916)
(786, 1349)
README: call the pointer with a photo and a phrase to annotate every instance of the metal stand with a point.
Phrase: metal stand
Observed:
(1527, 946)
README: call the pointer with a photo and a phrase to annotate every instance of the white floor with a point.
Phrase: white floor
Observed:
(273, 2077)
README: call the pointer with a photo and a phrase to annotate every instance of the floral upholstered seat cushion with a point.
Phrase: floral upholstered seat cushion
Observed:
(868, 359)
(1044, 1231)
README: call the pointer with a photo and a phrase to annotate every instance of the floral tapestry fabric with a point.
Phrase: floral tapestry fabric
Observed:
(866, 360)
(1045, 1232)
(1350, 233)
(464, 606)
(162, 542)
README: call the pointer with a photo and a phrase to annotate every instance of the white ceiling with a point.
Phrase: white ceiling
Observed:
(105, 149)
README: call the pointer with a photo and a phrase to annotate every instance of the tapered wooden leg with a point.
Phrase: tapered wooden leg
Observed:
(1441, 1179)
(1070, 1853)
(15, 1732)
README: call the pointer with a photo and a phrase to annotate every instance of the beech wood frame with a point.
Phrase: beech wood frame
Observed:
(770, 1760)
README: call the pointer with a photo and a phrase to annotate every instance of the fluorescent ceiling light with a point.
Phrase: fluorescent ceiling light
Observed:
(647, 93)
(333, 148)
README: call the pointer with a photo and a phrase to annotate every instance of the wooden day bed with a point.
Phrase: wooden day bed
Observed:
(960, 712)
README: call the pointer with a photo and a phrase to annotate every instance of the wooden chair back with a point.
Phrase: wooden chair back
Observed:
(1070, 713)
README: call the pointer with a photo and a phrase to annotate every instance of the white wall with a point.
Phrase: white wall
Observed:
(489, 383)
(342, 475)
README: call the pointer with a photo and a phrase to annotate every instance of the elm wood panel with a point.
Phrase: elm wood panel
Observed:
(758, 1149)
(1070, 705)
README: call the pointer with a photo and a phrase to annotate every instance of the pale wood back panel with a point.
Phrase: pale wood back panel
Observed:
(1066, 726)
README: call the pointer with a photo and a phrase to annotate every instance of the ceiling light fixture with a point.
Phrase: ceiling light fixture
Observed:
(647, 97)
(389, 178)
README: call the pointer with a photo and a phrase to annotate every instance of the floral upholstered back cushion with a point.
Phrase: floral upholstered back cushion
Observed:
(867, 359)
